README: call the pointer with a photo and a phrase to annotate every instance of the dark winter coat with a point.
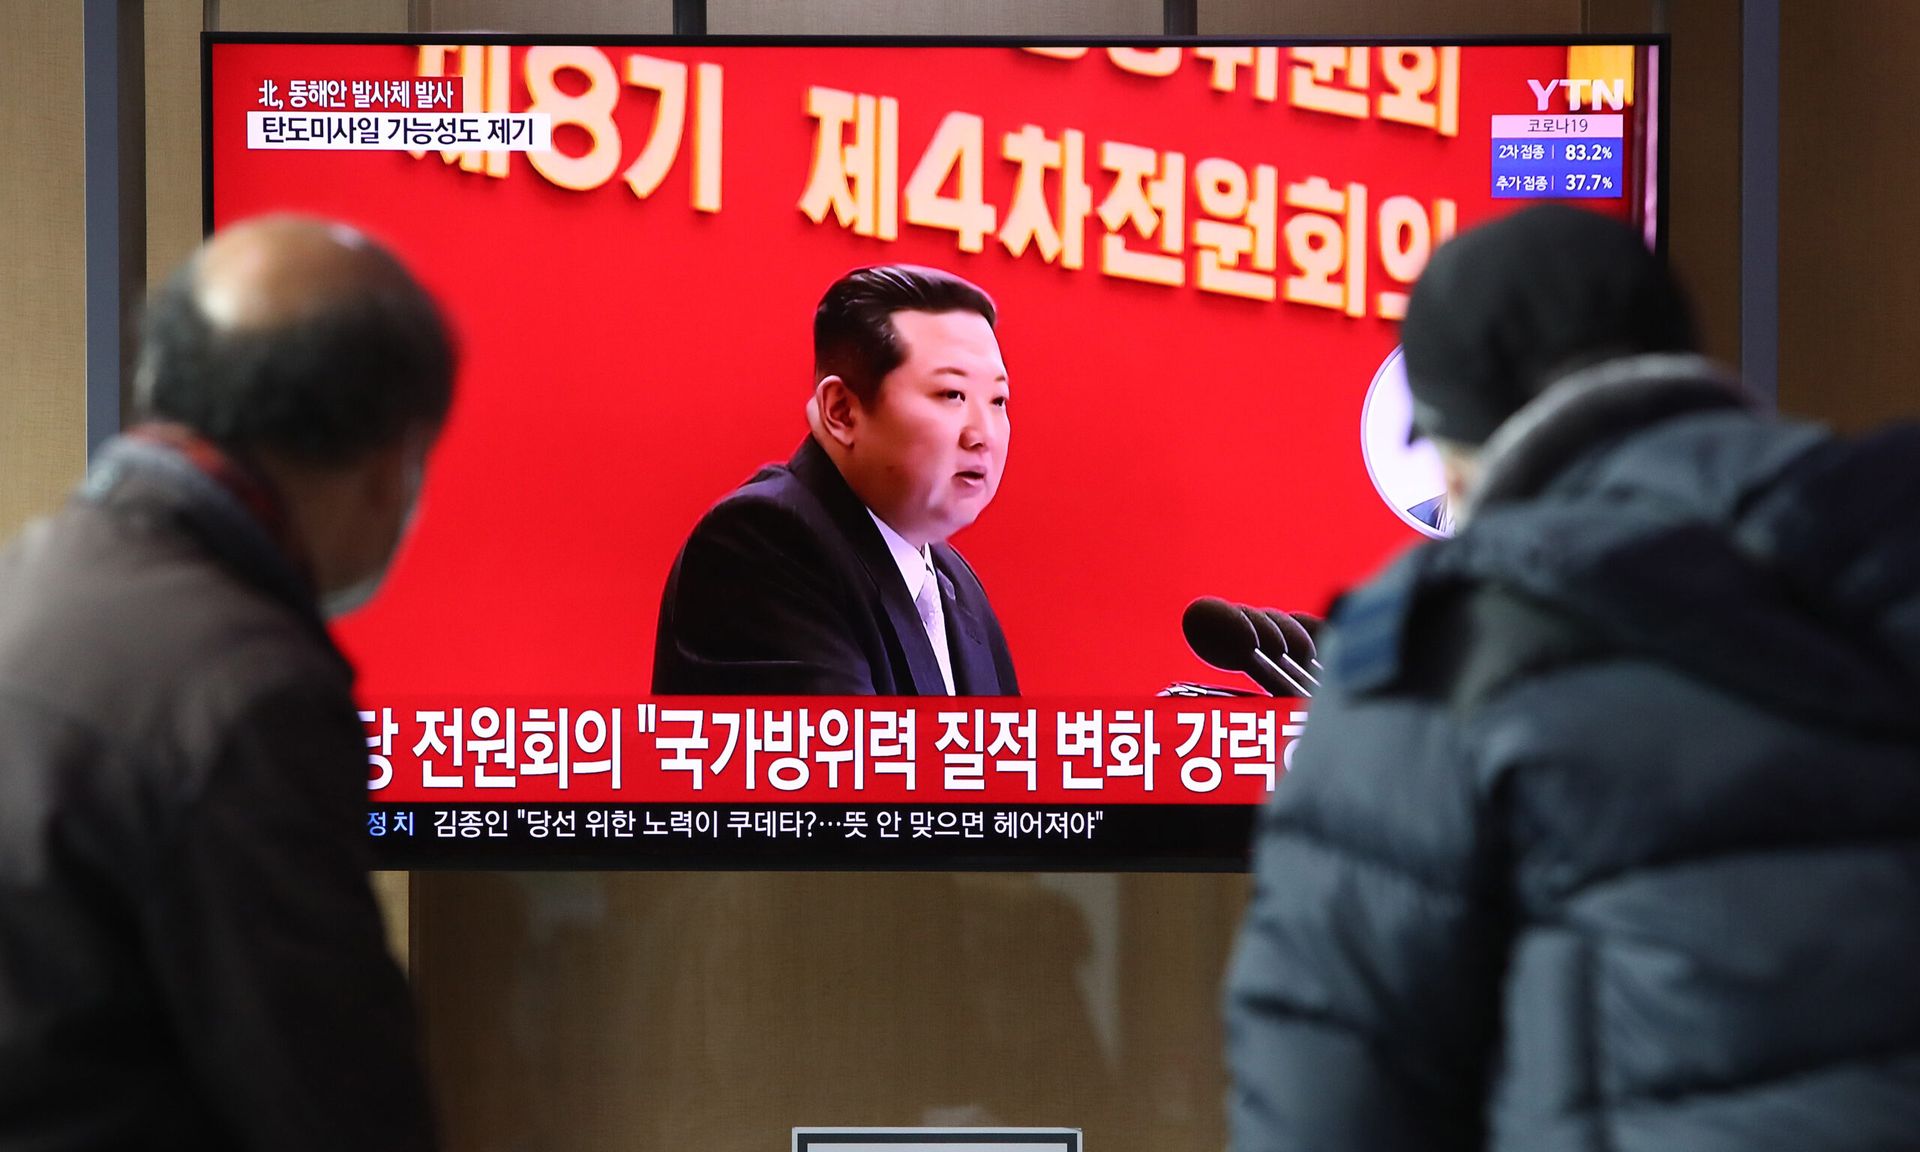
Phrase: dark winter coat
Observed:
(1605, 830)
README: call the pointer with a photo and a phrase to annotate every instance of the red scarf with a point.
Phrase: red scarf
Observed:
(237, 479)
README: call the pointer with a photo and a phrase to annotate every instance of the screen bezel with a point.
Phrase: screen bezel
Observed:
(1233, 824)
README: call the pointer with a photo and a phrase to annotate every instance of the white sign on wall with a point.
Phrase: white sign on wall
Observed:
(936, 1140)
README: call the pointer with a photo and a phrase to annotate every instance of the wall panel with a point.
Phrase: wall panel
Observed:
(586, 1011)
(309, 16)
(938, 17)
(43, 406)
(173, 132)
(605, 17)
(1849, 281)
(1704, 167)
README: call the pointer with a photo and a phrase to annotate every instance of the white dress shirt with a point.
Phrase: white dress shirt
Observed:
(923, 588)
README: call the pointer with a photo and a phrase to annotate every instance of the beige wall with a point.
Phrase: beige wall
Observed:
(43, 400)
(308, 16)
(586, 17)
(938, 17)
(173, 132)
(590, 1011)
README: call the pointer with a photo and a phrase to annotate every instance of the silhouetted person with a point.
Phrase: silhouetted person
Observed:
(1605, 829)
(190, 955)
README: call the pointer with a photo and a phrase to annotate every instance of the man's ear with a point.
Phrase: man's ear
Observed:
(838, 410)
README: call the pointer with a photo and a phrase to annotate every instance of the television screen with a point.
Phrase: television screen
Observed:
(1196, 254)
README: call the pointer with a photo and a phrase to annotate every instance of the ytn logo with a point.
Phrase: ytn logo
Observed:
(1599, 93)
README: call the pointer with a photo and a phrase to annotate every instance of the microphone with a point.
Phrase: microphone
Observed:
(1187, 688)
(1311, 623)
(1280, 643)
(1299, 640)
(1223, 636)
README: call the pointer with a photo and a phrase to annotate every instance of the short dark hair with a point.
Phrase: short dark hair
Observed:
(324, 388)
(853, 333)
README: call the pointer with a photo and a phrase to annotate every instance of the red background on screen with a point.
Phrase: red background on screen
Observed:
(626, 362)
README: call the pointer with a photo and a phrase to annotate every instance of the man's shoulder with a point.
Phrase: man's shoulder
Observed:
(1426, 628)
(120, 623)
(773, 504)
(772, 485)
(1366, 647)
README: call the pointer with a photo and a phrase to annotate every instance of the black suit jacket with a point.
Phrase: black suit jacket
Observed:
(786, 587)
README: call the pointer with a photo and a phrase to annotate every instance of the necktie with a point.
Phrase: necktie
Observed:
(935, 620)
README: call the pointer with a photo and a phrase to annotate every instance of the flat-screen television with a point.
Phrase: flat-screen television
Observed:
(1197, 252)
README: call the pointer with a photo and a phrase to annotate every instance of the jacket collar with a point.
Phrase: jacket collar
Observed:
(1592, 407)
(172, 477)
(817, 472)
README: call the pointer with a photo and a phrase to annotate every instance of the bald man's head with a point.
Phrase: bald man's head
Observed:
(276, 270)
(296, 339)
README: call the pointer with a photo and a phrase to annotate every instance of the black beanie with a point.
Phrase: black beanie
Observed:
(1505, 309)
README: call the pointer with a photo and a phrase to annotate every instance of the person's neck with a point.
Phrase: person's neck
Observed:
(319, 517)
(247, 481)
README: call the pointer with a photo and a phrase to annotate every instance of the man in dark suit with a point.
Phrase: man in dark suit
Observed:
(831, 574)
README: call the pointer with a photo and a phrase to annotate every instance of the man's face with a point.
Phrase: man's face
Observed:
(927, 454)
(391, 490)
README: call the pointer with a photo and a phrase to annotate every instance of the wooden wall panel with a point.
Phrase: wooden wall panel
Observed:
(1849, 279)
(587, 1011)
(1703, 192)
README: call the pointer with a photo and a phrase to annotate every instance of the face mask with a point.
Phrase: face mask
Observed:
(352, 598)
(355, 596)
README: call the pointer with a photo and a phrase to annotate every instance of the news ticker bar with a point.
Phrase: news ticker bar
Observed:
(813, 750)
(1182, 837)
(400, 131)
